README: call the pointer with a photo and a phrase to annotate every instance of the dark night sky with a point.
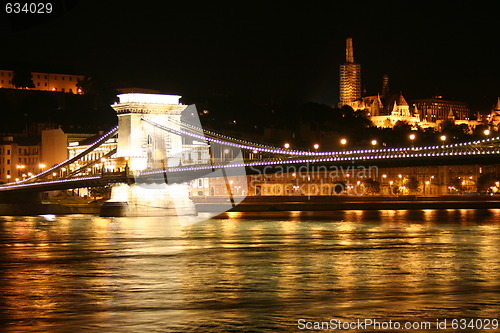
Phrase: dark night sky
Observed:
(268, 51)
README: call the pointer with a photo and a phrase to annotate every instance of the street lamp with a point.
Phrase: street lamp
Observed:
(19, 167)
(374, 142)
(226, 154)
(487, 132)
(286, 145)
(343, 141)
(412, 138)
(443, 138)
(316, 146)
(427, 183)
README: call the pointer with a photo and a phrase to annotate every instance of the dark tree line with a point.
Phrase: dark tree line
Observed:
(23, 79)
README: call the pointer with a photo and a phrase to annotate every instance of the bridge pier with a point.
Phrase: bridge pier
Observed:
(145, 148)
(149, 200)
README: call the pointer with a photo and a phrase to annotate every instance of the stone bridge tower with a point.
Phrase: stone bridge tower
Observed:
(143, 146)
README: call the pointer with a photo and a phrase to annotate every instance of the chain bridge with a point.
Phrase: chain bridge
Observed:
(157, 154)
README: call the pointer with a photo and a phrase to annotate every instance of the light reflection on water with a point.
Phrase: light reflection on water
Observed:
(247, 272)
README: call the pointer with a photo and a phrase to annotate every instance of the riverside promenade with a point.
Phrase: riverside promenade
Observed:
(325, 203)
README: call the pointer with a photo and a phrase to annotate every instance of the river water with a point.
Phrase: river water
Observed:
(248, 273)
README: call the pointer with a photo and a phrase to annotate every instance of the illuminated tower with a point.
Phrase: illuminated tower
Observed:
(350, 77)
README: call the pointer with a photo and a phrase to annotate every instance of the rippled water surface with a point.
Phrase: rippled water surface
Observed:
(247, 273)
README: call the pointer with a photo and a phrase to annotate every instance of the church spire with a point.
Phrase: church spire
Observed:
(349, 53)
(497, 107)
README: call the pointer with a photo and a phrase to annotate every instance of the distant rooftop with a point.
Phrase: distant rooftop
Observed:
(149, 98)
(131, 90)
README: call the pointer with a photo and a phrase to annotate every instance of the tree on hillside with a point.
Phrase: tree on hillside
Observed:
(372, 186)
(412, 184)
(402, 126)
(101, 95)
(104, 95)
(22, 79)
(339, 187)
(460, 132)
(485, 181)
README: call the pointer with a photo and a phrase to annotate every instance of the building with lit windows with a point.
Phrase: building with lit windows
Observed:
(385, 110)
(55, 143)
(22, 156)
(19, 158)
(437, 109)
(428, 181)
(45, 81)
